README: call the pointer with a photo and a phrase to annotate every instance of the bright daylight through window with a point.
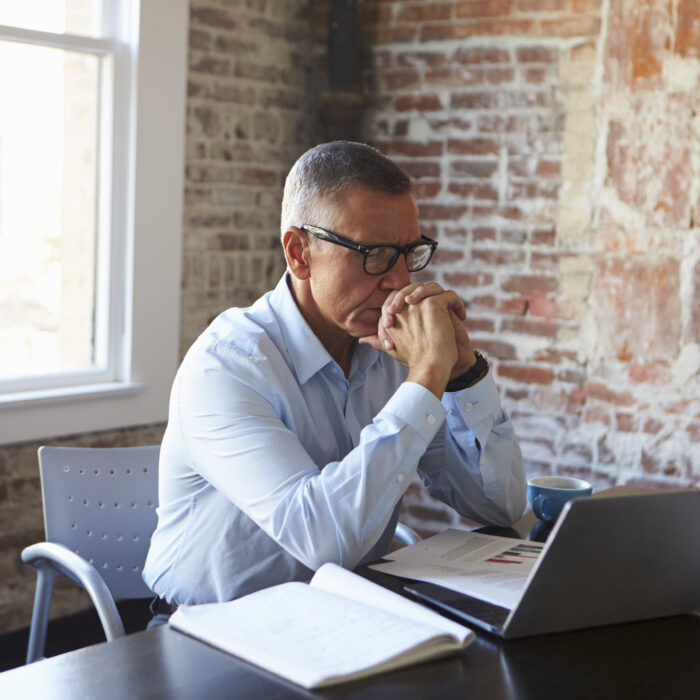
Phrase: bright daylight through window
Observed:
(54, 207)
(91, 181)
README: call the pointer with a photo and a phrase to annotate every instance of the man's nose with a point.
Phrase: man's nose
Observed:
(398, 277)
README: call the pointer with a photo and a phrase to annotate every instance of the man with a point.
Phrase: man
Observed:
(297, 424)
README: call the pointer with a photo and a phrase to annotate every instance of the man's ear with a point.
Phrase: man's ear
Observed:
(297, 252)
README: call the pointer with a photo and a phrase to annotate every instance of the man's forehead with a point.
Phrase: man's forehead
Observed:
(370, 214)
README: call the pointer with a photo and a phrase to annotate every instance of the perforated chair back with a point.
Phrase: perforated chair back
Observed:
(101, 503)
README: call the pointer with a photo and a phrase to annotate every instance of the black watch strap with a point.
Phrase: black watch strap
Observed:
(476, 372)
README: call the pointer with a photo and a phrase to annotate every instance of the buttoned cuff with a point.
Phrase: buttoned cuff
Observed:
(418, 407)
(475, 402)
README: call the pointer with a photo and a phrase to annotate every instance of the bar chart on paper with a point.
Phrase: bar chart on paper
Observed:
(521, 554)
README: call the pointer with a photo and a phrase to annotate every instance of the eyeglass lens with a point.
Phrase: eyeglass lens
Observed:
(381, 259)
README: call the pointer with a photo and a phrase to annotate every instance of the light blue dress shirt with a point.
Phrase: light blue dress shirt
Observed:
(274, 463)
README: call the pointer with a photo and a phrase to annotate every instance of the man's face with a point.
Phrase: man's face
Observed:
(346, 298)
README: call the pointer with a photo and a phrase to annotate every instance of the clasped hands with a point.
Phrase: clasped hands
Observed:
(422, 327)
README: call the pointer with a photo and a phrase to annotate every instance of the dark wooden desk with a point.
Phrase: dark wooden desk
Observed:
(656, 659)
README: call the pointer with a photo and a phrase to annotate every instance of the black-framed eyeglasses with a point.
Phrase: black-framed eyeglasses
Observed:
(378, 259)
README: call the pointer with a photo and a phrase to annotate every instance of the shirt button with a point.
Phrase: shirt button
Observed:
(430, 418)
(468, 406)
(400, 477)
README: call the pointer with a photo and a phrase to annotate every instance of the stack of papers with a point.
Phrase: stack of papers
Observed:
(488, 567)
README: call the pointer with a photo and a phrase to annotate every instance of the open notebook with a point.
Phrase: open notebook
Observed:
(607, 560)
(337, 628)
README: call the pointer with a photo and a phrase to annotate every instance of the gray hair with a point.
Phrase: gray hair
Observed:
(324, 172)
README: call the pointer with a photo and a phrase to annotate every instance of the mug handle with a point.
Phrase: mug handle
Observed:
(540, 506)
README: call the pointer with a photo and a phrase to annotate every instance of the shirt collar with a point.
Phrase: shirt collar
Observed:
(306, 353)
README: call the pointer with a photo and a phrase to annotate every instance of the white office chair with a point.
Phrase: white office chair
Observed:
(99, 514)
(405, 534)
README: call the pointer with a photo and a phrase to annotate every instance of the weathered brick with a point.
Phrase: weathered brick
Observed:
(536, 54)
(473, 168)
(391, 80)
(420, 168)
(587, 6)
(483, 233)
(693, 432)
(480, 324)
(694, 327)
(687, 39)
(626, 422)
(536, 76)
(419, 59)
(596, 414)
(454, 77)
(443, 256)
(511, 212)
(638, 307)
(636, 44)
(497, 349)
(571, 26)
(475, 146)
(411, 148)
(527, 326)
(421, 103)
(602, 392)
(485, 301)
(483, 8)
(527, 374)
(499, 75)
(425, 12)
(427, 189)
(543, 237)
(652, 426)
(482, 54)
(404, 33)
(649, 374)
(375, 14)
(212, 17)
(464, 30)
(649, 161)
(500, 99)
(530, 284)
(477, 190)
(442, 212)
(516, 306)
(210, 65)
(541, 5)
(572, 376)
(497, 257)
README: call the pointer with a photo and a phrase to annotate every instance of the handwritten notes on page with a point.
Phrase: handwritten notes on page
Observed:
(337, 628)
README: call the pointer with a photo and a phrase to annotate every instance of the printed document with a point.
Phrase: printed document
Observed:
(488, 567)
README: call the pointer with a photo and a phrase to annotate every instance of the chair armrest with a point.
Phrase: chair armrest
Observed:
(55, 559)
(405, 534)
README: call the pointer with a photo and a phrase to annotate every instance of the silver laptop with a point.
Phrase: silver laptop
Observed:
(608, 559)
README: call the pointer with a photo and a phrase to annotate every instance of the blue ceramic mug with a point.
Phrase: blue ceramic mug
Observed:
(549, 494)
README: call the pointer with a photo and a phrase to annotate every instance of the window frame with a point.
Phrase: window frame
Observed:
(149, 74)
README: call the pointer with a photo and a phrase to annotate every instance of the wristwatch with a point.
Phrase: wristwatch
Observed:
(476, 372)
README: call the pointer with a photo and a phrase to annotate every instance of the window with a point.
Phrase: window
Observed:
(91, 180)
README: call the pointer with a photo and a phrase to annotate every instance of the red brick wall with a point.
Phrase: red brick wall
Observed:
(249, 116)
(557, 161)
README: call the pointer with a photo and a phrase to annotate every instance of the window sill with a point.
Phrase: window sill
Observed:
(67, 393)
(39, 416)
